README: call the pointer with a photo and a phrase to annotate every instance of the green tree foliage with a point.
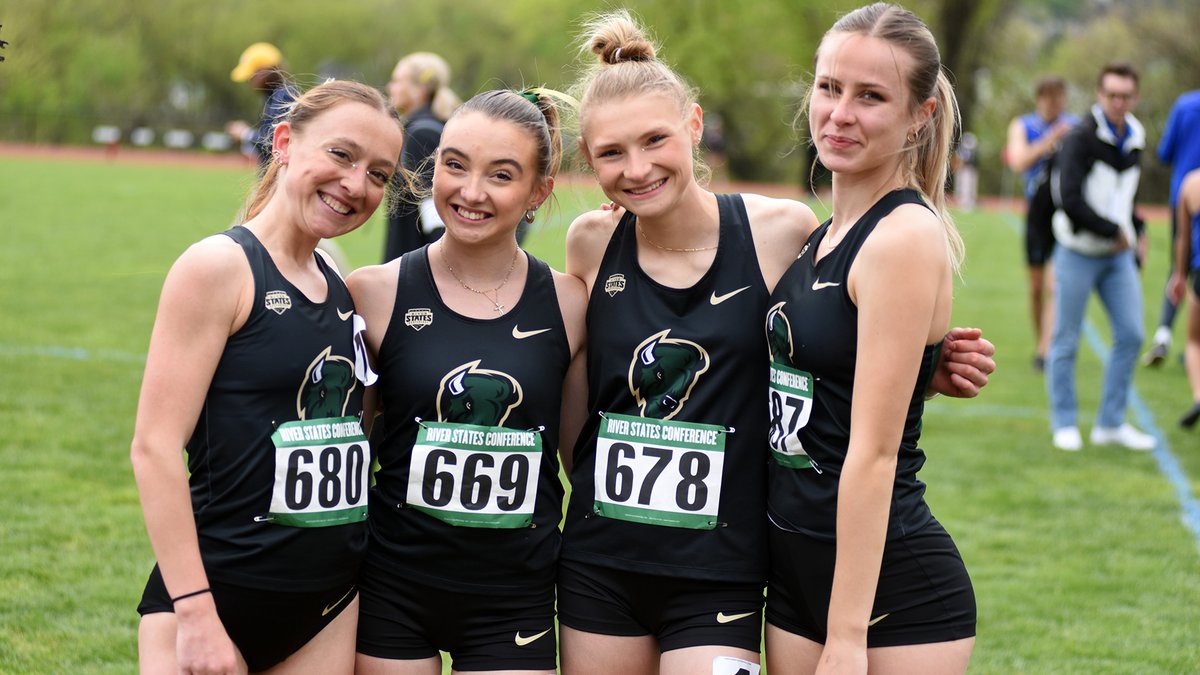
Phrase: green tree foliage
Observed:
(74, 64)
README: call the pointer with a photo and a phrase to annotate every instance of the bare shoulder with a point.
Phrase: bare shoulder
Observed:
(778, 223)
(215, 262)
(370, 286)
(587, 238)
(910, 233)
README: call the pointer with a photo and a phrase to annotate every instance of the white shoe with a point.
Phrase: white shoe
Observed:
(1124, 435)
(1068, 438)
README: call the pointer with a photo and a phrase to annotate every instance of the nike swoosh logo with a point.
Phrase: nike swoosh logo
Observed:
(818, 285)
(522, 641)
(722, 617)
(330, 608)
(345, 315)
(877, 619)
(522, 334)
(718, 299)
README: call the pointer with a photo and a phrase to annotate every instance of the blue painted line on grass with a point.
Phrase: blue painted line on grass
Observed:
(1168, 464)
(71, 353)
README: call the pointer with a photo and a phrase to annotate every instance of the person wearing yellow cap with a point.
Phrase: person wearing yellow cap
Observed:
(261, 64)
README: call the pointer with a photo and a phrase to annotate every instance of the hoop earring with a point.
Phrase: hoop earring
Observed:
(530, 215)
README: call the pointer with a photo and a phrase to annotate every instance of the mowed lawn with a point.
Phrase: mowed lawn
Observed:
(1082, 562)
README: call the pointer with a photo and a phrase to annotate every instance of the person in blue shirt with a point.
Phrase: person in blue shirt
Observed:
(261, 64)
(1032, 140)
(1179, 148)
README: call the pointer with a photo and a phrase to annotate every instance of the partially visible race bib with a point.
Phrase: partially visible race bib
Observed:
(659, 472)
(321, 473)
(475, 476)
(789, 406)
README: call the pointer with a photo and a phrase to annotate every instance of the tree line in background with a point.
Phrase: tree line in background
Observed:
(76, 64)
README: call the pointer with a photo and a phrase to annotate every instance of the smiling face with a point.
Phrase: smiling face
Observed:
(641, 149)
(859, 112)
(486, 177)
(337, 166)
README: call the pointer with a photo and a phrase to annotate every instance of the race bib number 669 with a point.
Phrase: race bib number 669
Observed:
(659, 472)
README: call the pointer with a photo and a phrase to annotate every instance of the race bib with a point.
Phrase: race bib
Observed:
(321, 473)
(789, 406)
(475, 476)
(659, 472)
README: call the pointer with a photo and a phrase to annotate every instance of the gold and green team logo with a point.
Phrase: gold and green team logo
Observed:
(327, 386)
(663, 372)
(779, 334)
(473, 395)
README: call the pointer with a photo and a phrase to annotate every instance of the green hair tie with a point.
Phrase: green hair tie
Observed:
(529, 95)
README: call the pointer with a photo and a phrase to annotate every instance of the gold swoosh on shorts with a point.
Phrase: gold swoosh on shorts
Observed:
(879, 618)
(722, 617)
(330, 608)
(522, 641)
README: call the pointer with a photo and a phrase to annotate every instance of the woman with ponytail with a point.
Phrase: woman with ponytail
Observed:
(473, 339)
(665, 541)
(420, 91)
(254, 353)
(863, 577)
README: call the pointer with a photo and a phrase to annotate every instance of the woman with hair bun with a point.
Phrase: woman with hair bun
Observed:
(665, 541)
(474, 339)
(420, 91)
(863, 577)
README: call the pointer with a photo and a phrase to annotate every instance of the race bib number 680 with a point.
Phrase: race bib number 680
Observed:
(659, 472)
(321, 469)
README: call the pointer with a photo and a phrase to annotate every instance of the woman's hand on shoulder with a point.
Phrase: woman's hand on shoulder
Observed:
(587, 239)
(780, 228)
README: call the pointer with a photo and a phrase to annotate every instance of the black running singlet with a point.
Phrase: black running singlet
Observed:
(812, 332)
(277, 460)
(469, 496)
(670, 470)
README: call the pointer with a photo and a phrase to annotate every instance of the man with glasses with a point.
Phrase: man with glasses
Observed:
(1101, 244)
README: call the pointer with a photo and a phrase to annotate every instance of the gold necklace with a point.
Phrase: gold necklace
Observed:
(495, 297)
(677, 250)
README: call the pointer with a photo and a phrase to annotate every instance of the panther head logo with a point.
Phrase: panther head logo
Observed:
(473, 395)
(663, 372)
(779, 335)
(327, 386)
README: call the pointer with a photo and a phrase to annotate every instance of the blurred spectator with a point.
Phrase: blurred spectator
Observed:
(262, 66)
(1180, 148)
(966, 172)
(1100, 244)
(420, 91)
(1032, 140)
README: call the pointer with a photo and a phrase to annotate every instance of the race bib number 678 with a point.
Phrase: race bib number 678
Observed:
(659, 472)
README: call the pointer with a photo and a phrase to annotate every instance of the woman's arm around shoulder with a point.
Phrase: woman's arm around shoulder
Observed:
(572, 303)
(206, 297)
(587, 239)
(779, 227)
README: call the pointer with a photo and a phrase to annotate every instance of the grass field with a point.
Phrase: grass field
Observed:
(1081, 561)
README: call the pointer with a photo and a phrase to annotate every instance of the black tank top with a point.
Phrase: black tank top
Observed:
(812, 330)
(471, 518)
(661, 500)
(292, 360)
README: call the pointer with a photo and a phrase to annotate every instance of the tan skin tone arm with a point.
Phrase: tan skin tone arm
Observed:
(205, 299)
